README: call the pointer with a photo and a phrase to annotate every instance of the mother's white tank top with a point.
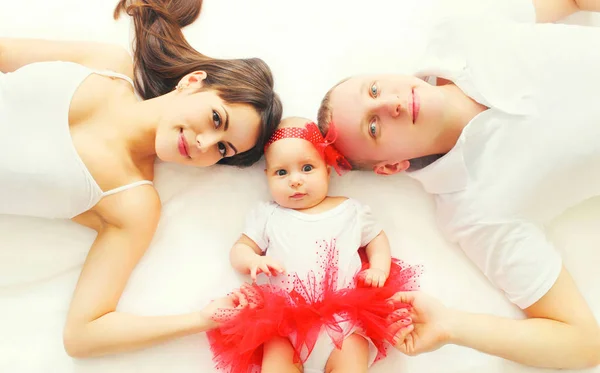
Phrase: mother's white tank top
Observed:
(41, 173)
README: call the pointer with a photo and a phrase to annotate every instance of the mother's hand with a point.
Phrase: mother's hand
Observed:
(227, 307)
(430, 325)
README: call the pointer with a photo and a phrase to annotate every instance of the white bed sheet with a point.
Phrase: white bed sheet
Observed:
(204, 210)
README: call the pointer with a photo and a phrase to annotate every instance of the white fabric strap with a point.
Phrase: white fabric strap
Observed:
(125, 187)
(115, 75)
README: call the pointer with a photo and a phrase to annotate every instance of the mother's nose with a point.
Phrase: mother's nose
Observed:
(205, 141)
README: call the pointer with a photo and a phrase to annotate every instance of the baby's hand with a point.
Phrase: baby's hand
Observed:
(374, 277)
(266, 265)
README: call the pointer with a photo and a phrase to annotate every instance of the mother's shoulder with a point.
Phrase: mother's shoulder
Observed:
(136, 208)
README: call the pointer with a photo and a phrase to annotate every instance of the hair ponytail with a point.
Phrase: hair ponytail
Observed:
(161, 52)
(162, 56)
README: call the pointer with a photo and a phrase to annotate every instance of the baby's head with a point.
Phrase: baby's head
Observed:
(296, 171)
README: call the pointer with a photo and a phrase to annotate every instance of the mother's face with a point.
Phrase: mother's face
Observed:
(201, 128)
(384, 120)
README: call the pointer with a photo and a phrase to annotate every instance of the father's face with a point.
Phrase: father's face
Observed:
(385, 119)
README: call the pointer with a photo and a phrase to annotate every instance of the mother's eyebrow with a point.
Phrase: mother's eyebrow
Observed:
(226, 126)
(233, 147)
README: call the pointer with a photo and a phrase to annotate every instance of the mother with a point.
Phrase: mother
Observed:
(76, 143)
(502, 126)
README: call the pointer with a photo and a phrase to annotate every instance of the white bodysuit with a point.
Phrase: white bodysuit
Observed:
(41, 173)
(298, 241)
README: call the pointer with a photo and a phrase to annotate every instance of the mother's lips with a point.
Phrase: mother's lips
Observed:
(182, 145)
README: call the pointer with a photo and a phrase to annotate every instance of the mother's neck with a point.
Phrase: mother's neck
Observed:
(140, 120)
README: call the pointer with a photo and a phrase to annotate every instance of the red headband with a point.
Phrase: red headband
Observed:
(324, 146)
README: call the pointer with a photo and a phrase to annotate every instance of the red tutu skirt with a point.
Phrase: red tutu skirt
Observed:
(312, 306)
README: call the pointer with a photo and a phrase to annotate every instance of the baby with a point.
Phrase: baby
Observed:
(326, 302)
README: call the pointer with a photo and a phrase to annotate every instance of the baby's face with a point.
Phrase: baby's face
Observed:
(298, 177)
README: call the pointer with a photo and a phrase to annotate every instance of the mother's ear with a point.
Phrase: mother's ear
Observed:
(193, 80)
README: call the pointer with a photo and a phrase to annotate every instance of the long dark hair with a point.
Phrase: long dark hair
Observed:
(162, 57)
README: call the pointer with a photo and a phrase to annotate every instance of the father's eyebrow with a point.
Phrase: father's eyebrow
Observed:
(364, 124)
(364, 121)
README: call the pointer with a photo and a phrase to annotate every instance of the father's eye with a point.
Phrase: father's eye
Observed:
(374, 90)
(281, 172)
(216, 119)
(373, 129)
(222, 149)
(307, 168)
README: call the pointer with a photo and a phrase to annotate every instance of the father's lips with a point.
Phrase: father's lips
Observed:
(182, 145)
(416, 106)
(297, 195)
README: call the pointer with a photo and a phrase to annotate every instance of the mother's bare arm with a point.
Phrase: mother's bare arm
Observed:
(555, 10)
(591, 5)
(93, 326)
(15, 53)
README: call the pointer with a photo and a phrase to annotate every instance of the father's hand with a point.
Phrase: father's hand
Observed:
(430, 323)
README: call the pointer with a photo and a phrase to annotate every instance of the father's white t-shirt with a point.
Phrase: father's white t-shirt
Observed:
(532, 155)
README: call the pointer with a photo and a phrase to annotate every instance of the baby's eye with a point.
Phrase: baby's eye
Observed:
(281, 172)
(307, 168)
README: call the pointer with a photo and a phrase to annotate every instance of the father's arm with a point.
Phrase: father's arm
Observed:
(555, 10)
(561, 331)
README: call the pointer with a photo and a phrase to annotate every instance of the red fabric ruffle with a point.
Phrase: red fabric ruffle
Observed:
(311, 307)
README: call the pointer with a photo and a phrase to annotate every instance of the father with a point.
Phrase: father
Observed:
(503, 127)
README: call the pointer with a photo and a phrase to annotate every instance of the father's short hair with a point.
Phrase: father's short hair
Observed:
(324, 119)
(324, 114)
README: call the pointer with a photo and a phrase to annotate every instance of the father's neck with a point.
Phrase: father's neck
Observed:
(460, 110)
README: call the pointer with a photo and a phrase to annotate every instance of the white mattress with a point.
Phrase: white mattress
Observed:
(204, 210)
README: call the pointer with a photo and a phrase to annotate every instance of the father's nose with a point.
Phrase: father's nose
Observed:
(391, 106)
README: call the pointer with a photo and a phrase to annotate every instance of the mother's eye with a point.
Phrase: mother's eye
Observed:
(216, 119)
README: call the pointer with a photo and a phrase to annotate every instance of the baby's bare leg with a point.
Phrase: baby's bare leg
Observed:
(352, 358)
(278, 357)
